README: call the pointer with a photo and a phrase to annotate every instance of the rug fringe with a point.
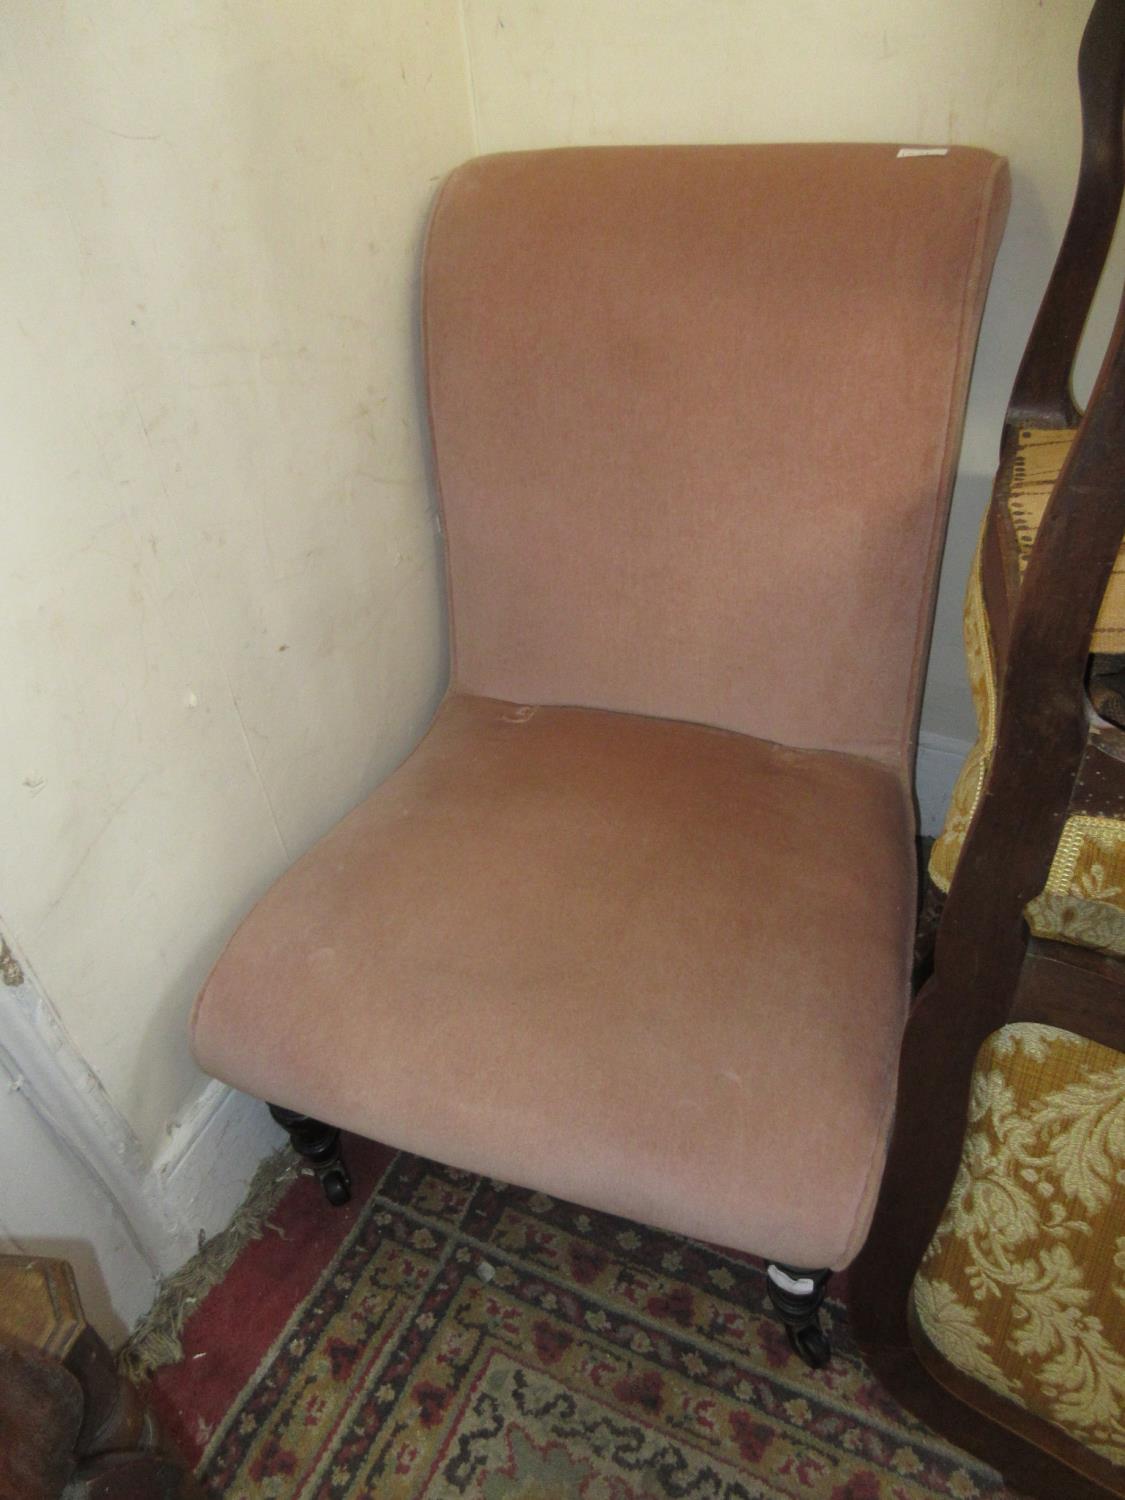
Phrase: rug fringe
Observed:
(155, 1340)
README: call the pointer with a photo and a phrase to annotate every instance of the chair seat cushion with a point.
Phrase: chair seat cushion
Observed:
(653, 967)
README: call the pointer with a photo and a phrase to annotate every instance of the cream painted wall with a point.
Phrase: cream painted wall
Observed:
(996, 73)
(221, 617)
(221, 620)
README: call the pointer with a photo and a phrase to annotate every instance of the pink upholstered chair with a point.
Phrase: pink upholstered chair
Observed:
(632, 925)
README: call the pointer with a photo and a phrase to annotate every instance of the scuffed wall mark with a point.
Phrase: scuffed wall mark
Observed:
(255, 766)
(122, 135)
(471, 71)
(106, 824)
(213, 639)
(34, 784)
(10, 971)
(402, 480)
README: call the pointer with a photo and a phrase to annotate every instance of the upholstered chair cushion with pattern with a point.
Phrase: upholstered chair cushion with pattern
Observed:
(1024, 1285)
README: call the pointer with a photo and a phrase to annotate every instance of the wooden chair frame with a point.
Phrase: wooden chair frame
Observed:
(1054, 757)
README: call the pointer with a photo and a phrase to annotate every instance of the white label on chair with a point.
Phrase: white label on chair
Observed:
(923, 151)
(797, 1286)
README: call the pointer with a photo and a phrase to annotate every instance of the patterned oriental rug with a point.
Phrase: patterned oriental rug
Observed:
(448, 1336)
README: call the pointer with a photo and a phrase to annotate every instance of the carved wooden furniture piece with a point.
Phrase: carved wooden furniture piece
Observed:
(1013, 1339)
(68, 1421)
(632, 923)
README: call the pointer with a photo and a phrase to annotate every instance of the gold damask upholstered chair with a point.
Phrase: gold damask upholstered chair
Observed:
(997, 1310)
(632, 924)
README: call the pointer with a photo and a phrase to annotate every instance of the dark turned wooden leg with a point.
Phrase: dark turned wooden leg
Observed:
(120, 1450)
(796, 1296)
(125, 1476)
(66, 1414)
(319, 1145)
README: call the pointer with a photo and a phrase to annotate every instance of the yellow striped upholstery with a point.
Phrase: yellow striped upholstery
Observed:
(1083, 900)
(1039, 458)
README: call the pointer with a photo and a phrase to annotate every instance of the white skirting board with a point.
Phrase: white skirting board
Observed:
(77, 1184)
(202, 1174)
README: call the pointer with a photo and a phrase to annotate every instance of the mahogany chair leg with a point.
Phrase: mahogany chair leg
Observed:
(67, 1415)
(935, 1070)
(796, 1295)
(319, 1145)
(132, 1476)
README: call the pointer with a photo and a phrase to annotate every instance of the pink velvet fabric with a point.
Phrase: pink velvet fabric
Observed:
(632, 923)
(655, 968)
(696, 413)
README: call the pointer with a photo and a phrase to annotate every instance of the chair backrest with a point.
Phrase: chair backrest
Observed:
(696, 413)
(1048, 773)
(1052, 760)
(1042, 395)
